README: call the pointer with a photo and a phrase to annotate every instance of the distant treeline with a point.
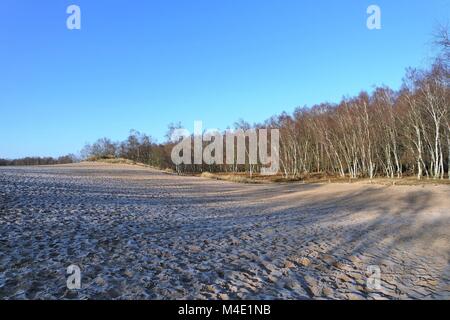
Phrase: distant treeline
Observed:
(34, 161)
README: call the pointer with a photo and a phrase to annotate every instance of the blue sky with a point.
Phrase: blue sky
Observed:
(143, 64)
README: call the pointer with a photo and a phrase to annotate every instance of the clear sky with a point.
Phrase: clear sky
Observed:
(145, 63)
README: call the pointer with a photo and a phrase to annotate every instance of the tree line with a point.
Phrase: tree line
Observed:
(385, 133)
(34, 161)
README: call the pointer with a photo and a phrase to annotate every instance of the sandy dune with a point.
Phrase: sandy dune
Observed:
(139, 233)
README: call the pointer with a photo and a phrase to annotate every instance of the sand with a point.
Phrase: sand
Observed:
(138, 233)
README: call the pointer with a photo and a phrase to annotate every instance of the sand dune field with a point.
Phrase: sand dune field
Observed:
(137, 233)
